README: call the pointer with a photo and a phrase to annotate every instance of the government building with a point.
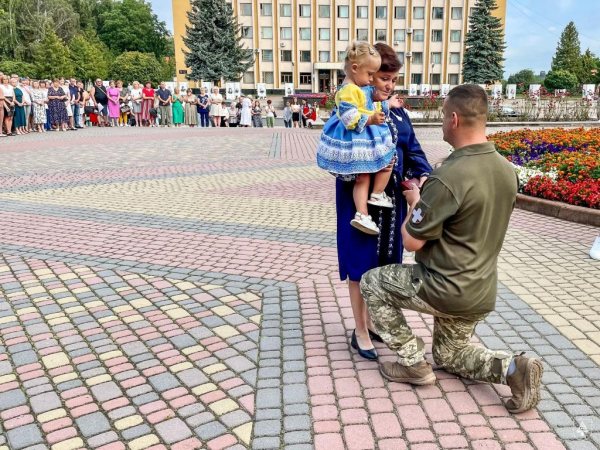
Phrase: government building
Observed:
(303, 42)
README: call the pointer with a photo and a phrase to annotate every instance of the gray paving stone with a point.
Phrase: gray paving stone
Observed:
(173, 430)
(134, 348)
(119, 413)
(25, 436)
(200, 419)
(11, 399)
(92, 424)
(235, 418)
(266, 443)
(192, 377)
(558, 418)
(267, 428)
(106, 391)
(268, 398)
(190, 410)
(295, 393)
(296, 423)
(163, 382)
(136, 432)
(210, 430)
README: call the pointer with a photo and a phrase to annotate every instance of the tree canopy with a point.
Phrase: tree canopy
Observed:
(560, 79)
(136, 66)
(522, 79)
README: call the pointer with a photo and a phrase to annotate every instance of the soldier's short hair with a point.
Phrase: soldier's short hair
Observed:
(469, 102)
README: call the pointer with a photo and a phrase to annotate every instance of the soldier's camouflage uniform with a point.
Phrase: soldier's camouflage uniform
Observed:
(388, 289)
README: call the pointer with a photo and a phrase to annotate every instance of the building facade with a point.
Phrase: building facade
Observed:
(304, 41)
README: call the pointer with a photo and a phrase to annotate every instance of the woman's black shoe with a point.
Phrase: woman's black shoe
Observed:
(375, 337)
(367, 354)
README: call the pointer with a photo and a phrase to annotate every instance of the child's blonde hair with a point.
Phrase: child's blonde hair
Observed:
(358, 52)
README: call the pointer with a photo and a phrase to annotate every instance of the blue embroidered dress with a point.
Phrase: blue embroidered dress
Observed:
(348, 145)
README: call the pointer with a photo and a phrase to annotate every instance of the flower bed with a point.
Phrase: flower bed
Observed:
(555, 164)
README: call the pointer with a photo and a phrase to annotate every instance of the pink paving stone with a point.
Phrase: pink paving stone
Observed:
(353, 416)
(428, 391)
(519, 446)
(57, 424)
(231, 383)
(511, 436)
(485, 445)
(318, 371)
(404, 398)
(116, 361)
(182, 401)
(370, 378)
(413, 417)
(320, 385)
(546, 441)
(132, 382)
(154, 371)
(376, 393)
(215, 347)
(317, 400)
(532, 426)
(446, 428)
(329, 441)
(503, 423)
(14, 412)
(326, 426)
(347, 387)
(479, 432)
(495, 411)
(159, 416)
(199, 355)
(150, 336)
(71, 393)
(18, 421)
(484, 394)
(49, 350)
(29, 368)
(359, 437)
(83, 359)
(120, 368)
(174, 393)
(167, 354)
(248, 403)
(386, 425)
(391, 444)
(212, 396)
(149, 408)
(471, 420)
(419, 436)
(462, 402)
(222, 442)
(527, 415)
(456, 441)
(16, 340)
(379, 405)
(78, 401)
(438, 410)
(352, 402)
(113, 446)
(31, 375)
(8, 386)
(115, 403)
(188, 444)
(83, 410)
(61, 435)
(325, 412)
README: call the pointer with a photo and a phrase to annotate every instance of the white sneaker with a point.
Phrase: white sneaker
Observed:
(364, 224)
(595, 251)
(381, 200)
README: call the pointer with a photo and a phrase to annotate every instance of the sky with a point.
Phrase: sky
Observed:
(533, 28)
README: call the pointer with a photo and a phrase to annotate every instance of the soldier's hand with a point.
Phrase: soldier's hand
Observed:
(413, 195)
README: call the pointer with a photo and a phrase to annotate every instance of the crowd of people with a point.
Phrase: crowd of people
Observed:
(64, 104)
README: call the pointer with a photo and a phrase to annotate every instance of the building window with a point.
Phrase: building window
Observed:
(418, 12)
(453, 79)
(417, 78)
(266, 9)
(305, 78)
(267, 55)
(245, 9)
(436, 35)
(247, 32)
(436, 58)
(400, 56)
(362, 12)
(324, 56)
(343, 11)
(381, 12)
(305, 34)
(305, 56)
(437, 13)
(267, 77)
(249, 77)
(287, 77)
(380, 35)
(399, 35)
(457, 13)
(343, 34)
(400, 12)
(418, 35)
(400, 80)
(455, 36)
(362, 34)
(454, 58)
(304, 10)
(266, 32)
(417, 57)
(286, 10)
(286, 55)
(342, 56)
(472, 11)
(324, 11)
(324, 34)
(286, 33)
(436, 78)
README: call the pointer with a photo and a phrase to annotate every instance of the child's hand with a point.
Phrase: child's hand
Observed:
(376, 119)
(396, 102)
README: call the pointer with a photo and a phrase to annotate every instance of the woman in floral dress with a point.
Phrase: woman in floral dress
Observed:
(39, 107)
(56, 103)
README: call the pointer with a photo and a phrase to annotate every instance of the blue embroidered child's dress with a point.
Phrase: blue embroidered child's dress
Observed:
(347, 145)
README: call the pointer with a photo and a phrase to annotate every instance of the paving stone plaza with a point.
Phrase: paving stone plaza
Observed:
(178, 289)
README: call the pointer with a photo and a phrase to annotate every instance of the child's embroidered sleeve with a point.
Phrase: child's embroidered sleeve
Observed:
(349, 99)
(385, 108)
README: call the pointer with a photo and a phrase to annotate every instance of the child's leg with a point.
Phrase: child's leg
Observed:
(360, 193)
(382, 179)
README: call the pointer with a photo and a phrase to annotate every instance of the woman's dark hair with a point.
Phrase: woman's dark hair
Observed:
(148, 83)
(295, 101)
(389, 58)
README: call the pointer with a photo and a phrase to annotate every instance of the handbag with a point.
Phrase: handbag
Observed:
(89, 109)
(153, 112)
(274, 114)
(125, 109)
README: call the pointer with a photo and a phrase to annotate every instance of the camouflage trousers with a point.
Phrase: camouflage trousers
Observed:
(387, 290)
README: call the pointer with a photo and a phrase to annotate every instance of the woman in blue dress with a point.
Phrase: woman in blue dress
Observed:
(359, 252)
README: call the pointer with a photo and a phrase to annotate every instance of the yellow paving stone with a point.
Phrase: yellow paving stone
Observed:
(81, 269)
(67, 276)
(587, 346)
(4, 447)
(74, 309)
(194, 349)
(55, 360)
(107, 319)
(143, 442)
(14, 294)
(140, 303)
(248, 297)
(69, 444)
(255, 319)
(180, 297)
(169, 307)
(571, 332)
(8, 319)
(128, 422)
(210, 287)
(584, 325)
(223, 310)
(58, 321)
(595, 337)
(4, 269)
(22, 312)
(80, 290)
(122, 308)
(64, 377)
(177, 313)
(556, 320)
(131, 276)
(223, 406)
(98, 379)
(45, 277)
(595, 358)
(35, 290)
(54, 315)
(244, 432)
(185, 285)
(111, 355)
(51, 415)
(214, 368)
(7, 378)
(228, 298)
(204, 388)
(181, 366)
(226, 331)
(122, 288)
(134, 318)
(43, 298)
(58, 290)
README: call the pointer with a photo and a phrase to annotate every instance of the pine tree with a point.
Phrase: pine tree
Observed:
(484, 45)
(568, 52)
(213, 39)
(588, 64)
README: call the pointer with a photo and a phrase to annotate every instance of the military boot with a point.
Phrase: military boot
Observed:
(420, 374)
(524, 383)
